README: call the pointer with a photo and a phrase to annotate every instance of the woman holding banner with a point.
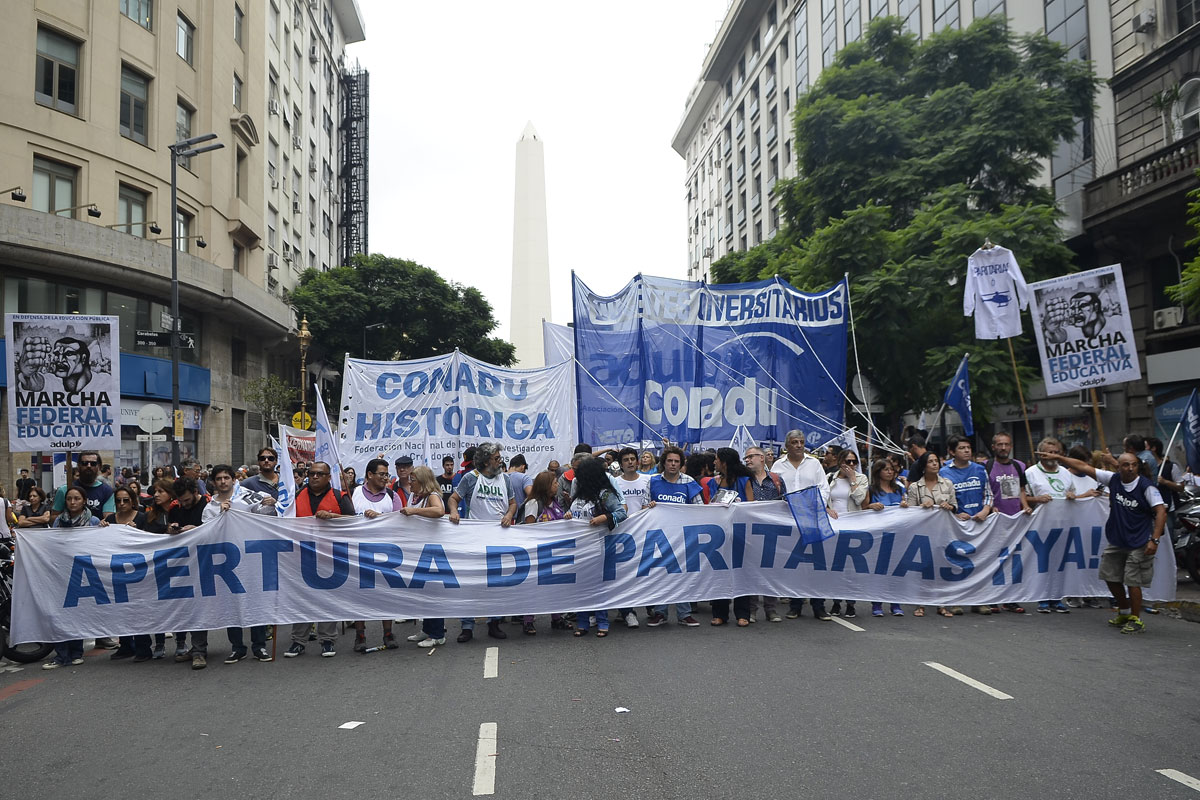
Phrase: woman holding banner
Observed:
(76, 515)
(930, 490)
(597, 501)
(732, 484)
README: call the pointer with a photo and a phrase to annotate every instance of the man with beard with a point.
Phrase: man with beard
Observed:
(71, 361)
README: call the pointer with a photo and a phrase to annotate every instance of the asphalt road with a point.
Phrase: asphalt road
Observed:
(799, 709)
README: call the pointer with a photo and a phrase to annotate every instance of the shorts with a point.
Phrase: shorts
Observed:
(1123, 565)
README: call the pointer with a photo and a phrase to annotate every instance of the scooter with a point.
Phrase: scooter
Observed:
(1186, 535)
(28, 652)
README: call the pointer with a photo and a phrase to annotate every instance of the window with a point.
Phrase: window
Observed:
(272, 227)
(879, 8)
(239, 174)
(183, 128)
(183, 229)
(237, 92)
(801, 20)
(945, 14)
(185, 34)
(239, 20)
(1189, 108)
(272, 158)
(140, 11)
(239, 258)
(852, 20)
(57, 70)
(273, 20)
(910, 11)
(135, 93)
(828, 32)
(131, 210)
(53, 187)
(985, 8)
(1071, 164)
(237, 357)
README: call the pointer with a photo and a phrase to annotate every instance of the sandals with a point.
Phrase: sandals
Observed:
(581, 632)
(918, 612)
(601, 634)
(716, 622)
(529, 629)
(742, 623)
(945, 612)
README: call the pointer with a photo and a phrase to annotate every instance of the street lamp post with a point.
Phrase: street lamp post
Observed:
(367, 328)
(185, 148)
(305, 338)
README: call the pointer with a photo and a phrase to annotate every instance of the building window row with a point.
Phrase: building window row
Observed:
(140, 11)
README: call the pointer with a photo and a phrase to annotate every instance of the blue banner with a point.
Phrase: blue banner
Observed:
(1191, 432)
(958, 397)
(694, 363)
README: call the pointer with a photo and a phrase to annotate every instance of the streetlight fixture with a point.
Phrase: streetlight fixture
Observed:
(199, 237)
(92, 209)
(151, 226)
(185, 148)
(369, 328)
(305, 337)
(17, 195)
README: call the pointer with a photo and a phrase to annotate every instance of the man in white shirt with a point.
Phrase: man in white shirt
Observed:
(800, 470)
(1046, 482)
(635, 491)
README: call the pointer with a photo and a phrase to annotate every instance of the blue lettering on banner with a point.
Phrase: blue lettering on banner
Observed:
(956, 554)
(432, 565)
(369, 564)
(548, 560)
(618, 548)
(917, 558)
(84, 582)
(210, 570)
(694, 548)
(122, 578)
(771, 535)
(269, 549)
(657, 554)
(495, 565)
(853, 545)
(308, 565)
(165, 572)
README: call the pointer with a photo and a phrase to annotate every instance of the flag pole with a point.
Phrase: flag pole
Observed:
(1167, 453)
(1021, 395)
(1099, 421)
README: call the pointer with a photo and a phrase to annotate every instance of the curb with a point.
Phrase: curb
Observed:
(1186, 609)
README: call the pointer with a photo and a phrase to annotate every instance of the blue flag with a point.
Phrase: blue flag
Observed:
(1191, 432)
(326, 447)
(812, 520)
(958, 397)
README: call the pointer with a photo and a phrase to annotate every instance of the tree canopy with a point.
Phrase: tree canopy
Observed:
(1187, 291)
(910, 155)
(422, 314)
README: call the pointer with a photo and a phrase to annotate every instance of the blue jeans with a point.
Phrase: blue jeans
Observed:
(583, 621)
(681, 610)
(258, 638)
(468, 623)
(434, 628)
(67, 652)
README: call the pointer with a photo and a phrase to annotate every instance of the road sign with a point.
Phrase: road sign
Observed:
(165, 320)
(163, 339)
(152, 418)
(187, 340)
(151, 437)
(305, 424)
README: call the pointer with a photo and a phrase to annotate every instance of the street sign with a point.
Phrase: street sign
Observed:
(164, 320)
(187, 340)
(304, 425)
(152, 418)
(163, 339)
(151, 437)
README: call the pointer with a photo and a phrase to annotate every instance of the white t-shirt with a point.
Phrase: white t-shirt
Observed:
(1153, 496)
(362, 504)
(1056, 484)
(490, 500)
(1085, 483)
(995, 292)
(636, 493)
(839, 495)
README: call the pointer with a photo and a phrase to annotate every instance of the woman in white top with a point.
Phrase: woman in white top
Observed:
(426, 495)
(847, 492)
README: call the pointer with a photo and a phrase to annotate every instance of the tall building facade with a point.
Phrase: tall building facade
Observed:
(95, 94)
(1121, 183)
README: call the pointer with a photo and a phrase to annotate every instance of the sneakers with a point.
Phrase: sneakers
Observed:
(107, 643)
(261, 654)
(1093, 602)
(494, 630)
(1014, 608)
(836, 609)
(466, 636)
(631, 620)
(327, 650)
(655, 620)
(791, 615)
(75, 662)
(360, 644)
(140, 657)
(897, 612)
(54, 663)
(199, 661)
(1060, 608)
(389, 639)
(996, 609)
(1043, 608)
(419, 636)
(850, 614)
(296, 649)
(956, 611)
(1120, 619)
(159, 652)
(1074, 602)
(1134, 625)
(689, 622)
(823, 616)
(429, 641)
(121, 653)
(773, 616)
(232, 658)
(529, 629)
(182, 654)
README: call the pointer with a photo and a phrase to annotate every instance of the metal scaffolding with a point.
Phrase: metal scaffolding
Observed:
(353, 146)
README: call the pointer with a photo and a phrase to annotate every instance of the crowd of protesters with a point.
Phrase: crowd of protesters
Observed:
(605, 488)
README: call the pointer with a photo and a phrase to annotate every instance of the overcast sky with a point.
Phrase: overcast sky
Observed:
(452, 87)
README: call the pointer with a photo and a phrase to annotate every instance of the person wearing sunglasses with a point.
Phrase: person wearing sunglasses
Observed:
(848, 490)
(266, 482)
(98, 493)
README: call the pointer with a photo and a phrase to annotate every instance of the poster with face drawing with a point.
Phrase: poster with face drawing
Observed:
(64, 382)
(1084, 333)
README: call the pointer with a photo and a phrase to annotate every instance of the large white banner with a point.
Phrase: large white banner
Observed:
(436, 407)
(64, 382)
(247, 569)
(1084, 333)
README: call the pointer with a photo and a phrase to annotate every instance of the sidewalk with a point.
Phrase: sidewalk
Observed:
(1187, 598)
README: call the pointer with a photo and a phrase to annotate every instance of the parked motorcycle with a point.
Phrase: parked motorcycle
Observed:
(1186, 536)
(22, 653)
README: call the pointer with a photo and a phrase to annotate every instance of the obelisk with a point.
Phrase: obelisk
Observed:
(530, 302)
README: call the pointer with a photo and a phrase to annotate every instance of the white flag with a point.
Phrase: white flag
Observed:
(742, 440)
(844, 440)
(285, 503)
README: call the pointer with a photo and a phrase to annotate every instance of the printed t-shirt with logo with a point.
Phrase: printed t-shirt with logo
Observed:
(683, 490)
(970, 487)
(1006, 481)
(636, 493)
(484, 497)
(1056, 484)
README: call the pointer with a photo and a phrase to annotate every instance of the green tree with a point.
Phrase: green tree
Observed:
(1187, 291)
(272, 396)
(910, 155)
(423, 314)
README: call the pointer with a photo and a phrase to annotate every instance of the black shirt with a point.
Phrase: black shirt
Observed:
(447, 486)
(187, 516)
(139, 520)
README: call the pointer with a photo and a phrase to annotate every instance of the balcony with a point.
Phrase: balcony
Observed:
(729, 188)
(728, 148)
(755, 202)
(772, 132)
(770, 87)
(1162, 175)
(739, 129)
(754, 156)
(754, 110)
(726, 106)
(741, 217)
(741, 173)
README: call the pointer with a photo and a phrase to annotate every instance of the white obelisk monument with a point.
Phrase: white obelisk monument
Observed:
(530, 302)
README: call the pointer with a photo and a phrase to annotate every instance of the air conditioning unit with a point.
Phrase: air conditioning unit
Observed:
(287, 256)
(295, 206)
(312, 4)
(272, 261)
(274, 184)
(708, 252)
(272, 282)
(314, 54)
(1085, 399)
(1145, 21)
(297, 143)
(298, 20)
(1167, 318)
(273, 107)
(312, 166)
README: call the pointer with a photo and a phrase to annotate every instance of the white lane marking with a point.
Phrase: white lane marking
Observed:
(1180, 777)
(347, 726)
(969, 681)
(491, 662)
(485, 760)
(849, 625)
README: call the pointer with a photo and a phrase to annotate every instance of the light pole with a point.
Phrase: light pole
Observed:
(305, 338)
(185, 148)
(367, 328)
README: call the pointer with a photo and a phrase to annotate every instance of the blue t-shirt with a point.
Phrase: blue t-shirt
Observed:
(970, 486)
(685, 490)
(889, 498)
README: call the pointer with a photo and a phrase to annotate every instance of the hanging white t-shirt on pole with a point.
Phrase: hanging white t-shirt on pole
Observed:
(995, 293)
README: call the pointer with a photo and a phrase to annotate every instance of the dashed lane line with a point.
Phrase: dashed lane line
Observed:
(849, 625)
(1180, 777)
(491, 662)
(969, 681)
(485, 760)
